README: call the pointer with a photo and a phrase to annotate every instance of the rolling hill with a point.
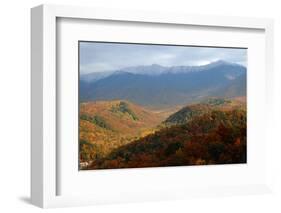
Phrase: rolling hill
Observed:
(122, 134)
(216, 137)
(105, 125)
(119, 116)
(187, 113)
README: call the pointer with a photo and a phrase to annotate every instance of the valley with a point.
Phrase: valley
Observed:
(122, 134)
(150, 116)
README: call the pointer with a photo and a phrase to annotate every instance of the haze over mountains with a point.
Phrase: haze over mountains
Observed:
(140, 105)
(159, 86)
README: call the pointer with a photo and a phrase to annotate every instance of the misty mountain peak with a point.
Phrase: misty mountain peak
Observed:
(230, 70)
(222, 62)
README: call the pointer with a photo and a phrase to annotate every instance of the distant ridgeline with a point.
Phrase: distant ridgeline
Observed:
(160, 86)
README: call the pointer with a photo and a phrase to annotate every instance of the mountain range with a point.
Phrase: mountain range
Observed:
(159, 86)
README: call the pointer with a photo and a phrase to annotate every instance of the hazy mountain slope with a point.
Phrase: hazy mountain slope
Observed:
(93, 77)
(237, 87)
(168, 88)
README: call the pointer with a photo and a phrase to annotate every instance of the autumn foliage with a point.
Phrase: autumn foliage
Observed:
(214, 137)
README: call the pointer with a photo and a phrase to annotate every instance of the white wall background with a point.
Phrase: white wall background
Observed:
(15, 104)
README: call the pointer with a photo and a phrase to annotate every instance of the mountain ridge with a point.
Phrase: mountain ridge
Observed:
(157, 69)
(170, 88)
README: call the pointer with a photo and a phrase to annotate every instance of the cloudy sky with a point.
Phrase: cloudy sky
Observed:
(101, 57)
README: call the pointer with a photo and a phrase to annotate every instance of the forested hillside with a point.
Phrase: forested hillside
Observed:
(105, 125)
(120, 134)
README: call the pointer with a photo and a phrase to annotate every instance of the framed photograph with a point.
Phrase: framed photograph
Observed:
(129, 106)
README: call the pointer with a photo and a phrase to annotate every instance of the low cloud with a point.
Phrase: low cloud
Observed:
(101, 57)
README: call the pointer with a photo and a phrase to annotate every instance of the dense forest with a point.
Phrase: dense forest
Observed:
(121, 134)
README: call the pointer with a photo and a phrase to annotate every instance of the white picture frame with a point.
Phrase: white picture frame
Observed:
(44, 154)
